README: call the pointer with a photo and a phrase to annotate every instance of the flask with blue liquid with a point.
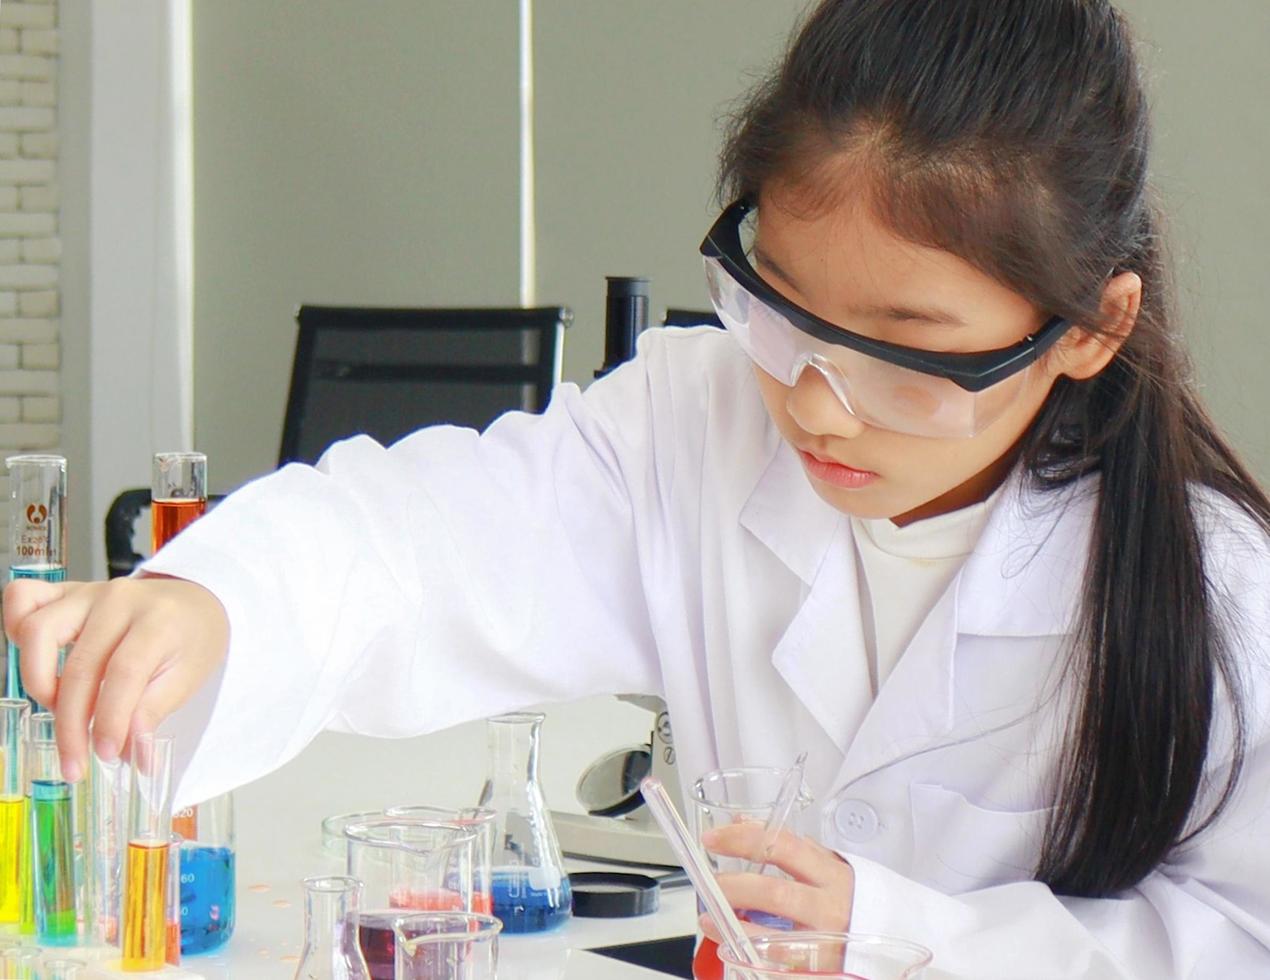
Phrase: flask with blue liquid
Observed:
(530, 888)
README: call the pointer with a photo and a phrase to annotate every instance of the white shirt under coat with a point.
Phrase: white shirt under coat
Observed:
(654, 534)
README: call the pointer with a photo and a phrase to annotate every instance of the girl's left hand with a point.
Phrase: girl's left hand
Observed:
(819, 897)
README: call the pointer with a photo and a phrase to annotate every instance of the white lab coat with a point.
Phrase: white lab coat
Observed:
(655, 534)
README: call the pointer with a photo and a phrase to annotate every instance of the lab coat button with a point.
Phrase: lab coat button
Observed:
(857, 821)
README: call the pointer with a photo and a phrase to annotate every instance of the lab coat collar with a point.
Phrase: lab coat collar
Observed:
(784, 512)
(1024, 577)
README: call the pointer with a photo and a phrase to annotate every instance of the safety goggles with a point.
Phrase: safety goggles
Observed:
(903, 389)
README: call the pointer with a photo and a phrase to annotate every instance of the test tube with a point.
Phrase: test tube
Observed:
(53, 842)
(37, 532)
(15, 873)
(20, 963)
(108, 817)
(145, 889)
(178, 494)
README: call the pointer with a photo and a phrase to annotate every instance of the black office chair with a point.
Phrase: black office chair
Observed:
(125, 529)
(387, 372)
(690, 318)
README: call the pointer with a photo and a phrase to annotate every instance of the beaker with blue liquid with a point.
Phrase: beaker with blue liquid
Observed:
(530, 887)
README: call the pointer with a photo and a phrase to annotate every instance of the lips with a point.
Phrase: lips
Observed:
(835, 473)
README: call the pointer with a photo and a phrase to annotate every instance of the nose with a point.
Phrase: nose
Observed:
(816, 408)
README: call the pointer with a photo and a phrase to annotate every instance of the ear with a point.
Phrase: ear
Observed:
(1083, 353)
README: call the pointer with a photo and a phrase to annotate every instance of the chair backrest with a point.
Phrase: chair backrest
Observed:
(387, 372)
(128, 532)
(690, 318)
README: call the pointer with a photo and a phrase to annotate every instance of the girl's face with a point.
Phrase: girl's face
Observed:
(843, 265)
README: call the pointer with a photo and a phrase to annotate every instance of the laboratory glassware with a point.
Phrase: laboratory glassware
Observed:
(333, 840)
(406, 864)
(178, 494)
(15, 873)
(53, 839)
(62, 969)
(108, 784)
(208, 874)
(178, 497)
(331, 918)
(446, 946)
(37, 533)
(829, 956)
(479, 821)
(530, 887)
(20, 963)
(726, 796)
(145, 887)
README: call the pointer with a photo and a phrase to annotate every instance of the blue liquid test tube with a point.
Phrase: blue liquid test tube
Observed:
(53, 842)
(37, 534)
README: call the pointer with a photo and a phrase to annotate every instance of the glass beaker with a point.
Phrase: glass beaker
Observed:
(37, 534)
(446, 946)
(479, 821)
(20, 963)
(15, 873)
(333, 840)
(406, 864)
(830, 956)
(727, 796)
(62, 969)
(530, 887)
(331, 949)
(208, 879)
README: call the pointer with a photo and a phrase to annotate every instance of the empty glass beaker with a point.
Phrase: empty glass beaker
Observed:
(446, 946)
(331, 919)
(406, 864)
(530, 887)
(481, 822)
(830, 956)
(726, 796)
(20, 963)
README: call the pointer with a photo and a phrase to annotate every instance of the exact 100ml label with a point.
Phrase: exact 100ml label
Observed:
(32, 544)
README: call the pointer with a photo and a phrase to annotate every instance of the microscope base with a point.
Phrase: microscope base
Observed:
(612, 840)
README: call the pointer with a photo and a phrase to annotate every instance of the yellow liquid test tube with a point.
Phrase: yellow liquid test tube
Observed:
(145, 891)
(15, 815)
(145, 939)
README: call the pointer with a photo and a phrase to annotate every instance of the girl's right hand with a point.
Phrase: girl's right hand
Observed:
(141, 648)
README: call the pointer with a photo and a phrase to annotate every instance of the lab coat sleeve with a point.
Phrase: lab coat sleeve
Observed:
(399, 591)
(1203, 913)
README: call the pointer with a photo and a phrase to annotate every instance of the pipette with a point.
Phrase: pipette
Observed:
(698, 871)
(786, 797)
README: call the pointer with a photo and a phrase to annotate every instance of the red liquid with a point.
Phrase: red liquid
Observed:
(706, 964)
(375, 928)
(174, 944)
(168, 518)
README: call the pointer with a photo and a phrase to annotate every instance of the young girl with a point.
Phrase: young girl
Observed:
(940, 507)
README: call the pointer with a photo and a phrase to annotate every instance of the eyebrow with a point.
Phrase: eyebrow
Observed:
(896, 313)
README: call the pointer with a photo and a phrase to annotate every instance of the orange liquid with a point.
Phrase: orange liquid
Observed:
(145, 938)
(174, 943)
(168, 518)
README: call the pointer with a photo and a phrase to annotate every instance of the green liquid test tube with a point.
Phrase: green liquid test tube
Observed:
(53, 840)
(15, 873)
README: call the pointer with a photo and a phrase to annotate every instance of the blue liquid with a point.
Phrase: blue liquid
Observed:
(523, 908)
(13, 679)
(54, 856)
(207, 898)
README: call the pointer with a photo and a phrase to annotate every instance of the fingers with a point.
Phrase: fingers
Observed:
(711, 931)
(810, 906)
(41, 618)
(800, 857)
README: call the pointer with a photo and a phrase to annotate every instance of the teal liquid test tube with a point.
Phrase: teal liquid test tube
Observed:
(53, 841)
(37, 533)
(15, 864)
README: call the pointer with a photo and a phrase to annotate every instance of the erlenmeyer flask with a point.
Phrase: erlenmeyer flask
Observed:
(331, 950)
(531, 889)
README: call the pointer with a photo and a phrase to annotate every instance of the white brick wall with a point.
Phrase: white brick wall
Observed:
(30, 246)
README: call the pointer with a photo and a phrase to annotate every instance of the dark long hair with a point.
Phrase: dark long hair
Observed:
(1015, 134)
